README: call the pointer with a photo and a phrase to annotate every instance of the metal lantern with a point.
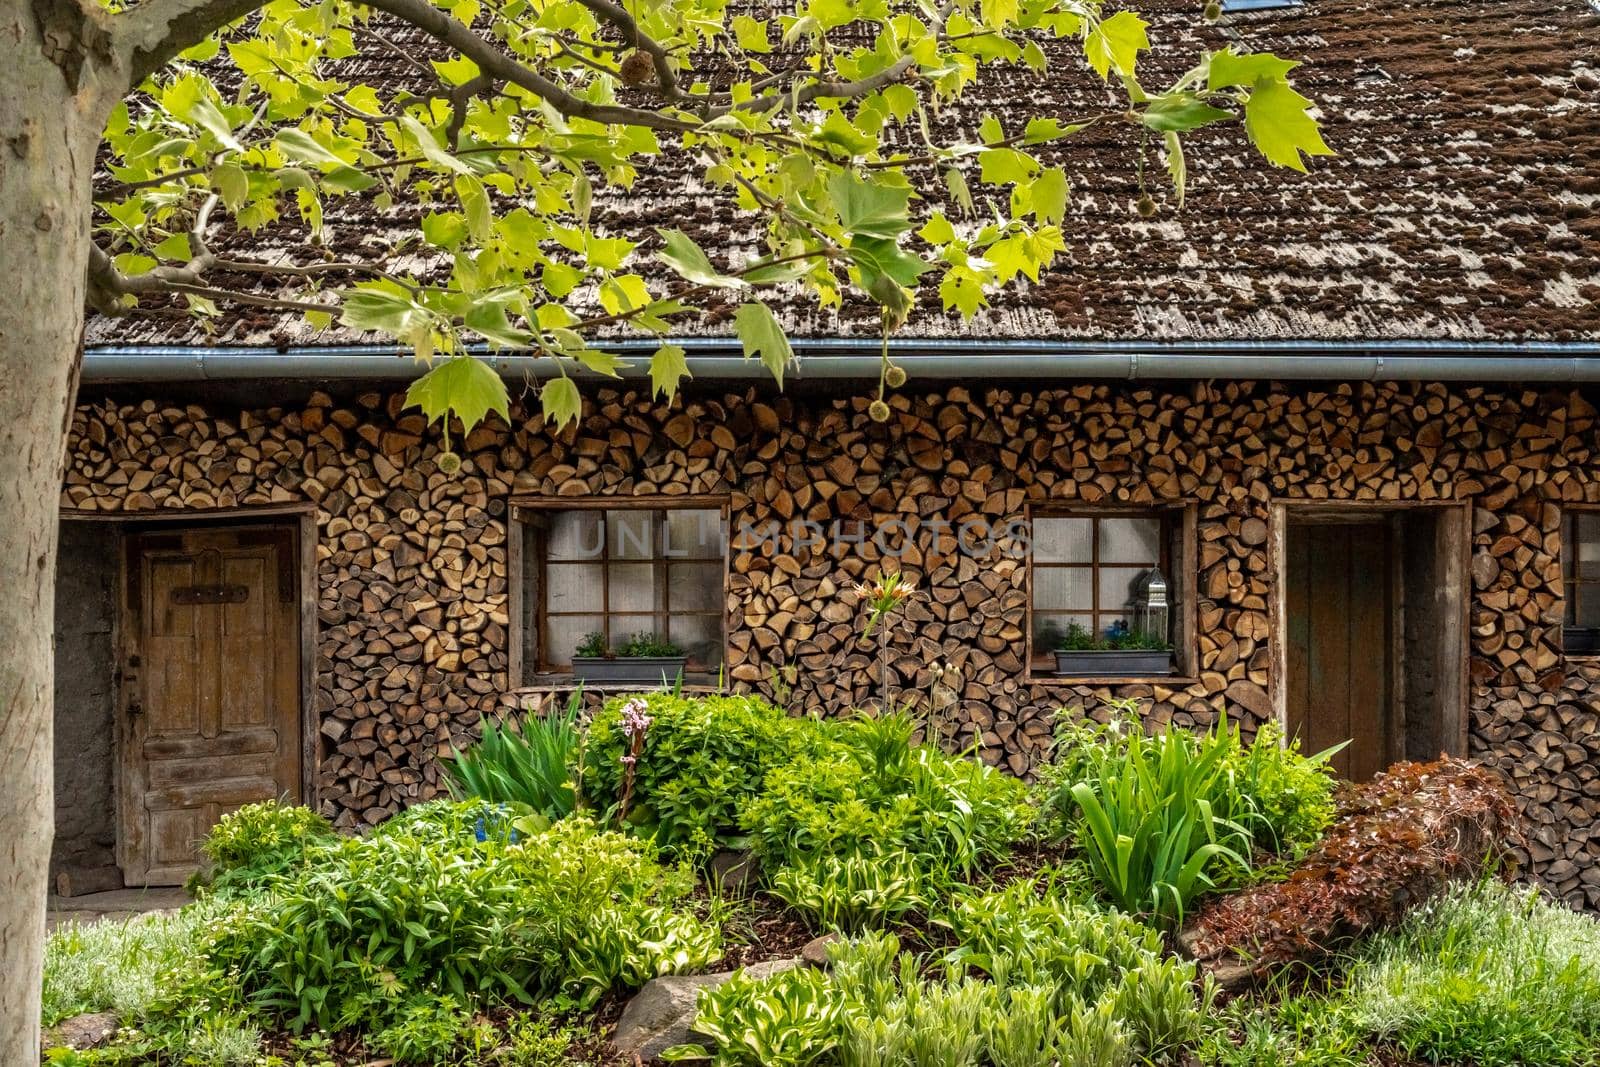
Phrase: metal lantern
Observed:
(1151, 612)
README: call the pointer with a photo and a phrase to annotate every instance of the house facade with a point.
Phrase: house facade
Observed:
(1360, 450)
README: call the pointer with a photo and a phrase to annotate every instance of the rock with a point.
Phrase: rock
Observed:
(662, 1013)
(81, 1032)
(815, 951)
(733, 871)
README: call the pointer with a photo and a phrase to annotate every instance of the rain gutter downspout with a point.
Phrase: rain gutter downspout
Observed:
(1533, 362)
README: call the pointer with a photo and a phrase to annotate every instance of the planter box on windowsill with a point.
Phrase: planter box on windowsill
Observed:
(1113, 663)
(629, 670)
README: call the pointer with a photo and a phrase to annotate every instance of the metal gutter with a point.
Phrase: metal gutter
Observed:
(1533, 362)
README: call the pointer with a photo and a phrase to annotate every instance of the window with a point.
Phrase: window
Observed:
(1580, 572)
(621, 572)
(1091, 570)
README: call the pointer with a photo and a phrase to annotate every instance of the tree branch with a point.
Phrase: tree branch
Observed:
(147, 36)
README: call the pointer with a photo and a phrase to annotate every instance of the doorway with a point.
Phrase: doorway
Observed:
(211, 687)
(1372, 606)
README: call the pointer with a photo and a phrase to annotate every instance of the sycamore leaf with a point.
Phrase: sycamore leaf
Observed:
(668, 367)
(298, 144)
(869, 210)
(601, 361)
(465, 385)
(1181, 112)
(1116, 43)
(692, 264)
(1227, 69)
(1049, 194)
(377, 309)
(1278, 123)
(232, 184)
(762, 336)
(560, 400)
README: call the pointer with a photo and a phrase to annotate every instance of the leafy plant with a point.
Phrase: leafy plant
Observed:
(441, 905)
(115, 965)
(648, 646)
(533, 763)
(789, 1019)
(1486, 974)
(851, 892)
(701, 759)
(1155, 826)
(593, 646)
(1291, 796)
(257, 844)
(1119, 637)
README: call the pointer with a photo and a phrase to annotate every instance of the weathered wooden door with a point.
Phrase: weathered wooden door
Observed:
(211, 689)
(1338, 608)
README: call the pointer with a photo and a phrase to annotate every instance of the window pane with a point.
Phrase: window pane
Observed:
(575, 535)
(698, 635)
(633, 587)
(566, 632)
(1058, 540)
(1586, 544)
(1118, 588)
(694, 586)
(1588, 613)
(1049, 628)
(626, 627)
(630, 534)
(573, 587)
(1063, 589)
(1130, 540)
(694, 533)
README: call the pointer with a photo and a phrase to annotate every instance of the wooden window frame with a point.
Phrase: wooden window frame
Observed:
(1576, 641)
(530, 612)
(1178, 565)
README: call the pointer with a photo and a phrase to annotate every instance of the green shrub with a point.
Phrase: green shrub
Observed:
(702, 758)
(1296, 1031)
(533, 763)
(790, 1019)
(1027, 936)
(1289, 795)
(435, 904)
(258, 844)
(867, 830)
(1487, 975)
(114, 965)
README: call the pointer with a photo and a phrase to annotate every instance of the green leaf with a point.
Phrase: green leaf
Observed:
(377, 309)
(1176, 167)
(465, 385)
(762, 336)
(601, 361)
(867, 209)
(1280, 126)
(209, 118)
(1116, 43)
(685, 257)
(560, 400)
(751, 34)
(668, 367)
(1227, 69)
(1049, 192)
(232, 184)
(1181, 112)
(298, 144)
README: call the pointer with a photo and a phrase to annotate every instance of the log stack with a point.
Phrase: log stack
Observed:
(414, 589)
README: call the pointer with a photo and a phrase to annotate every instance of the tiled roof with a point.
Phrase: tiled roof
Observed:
(1464, 203)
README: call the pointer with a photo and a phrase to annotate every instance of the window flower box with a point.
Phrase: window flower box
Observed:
(1113, 662)
(628, 670)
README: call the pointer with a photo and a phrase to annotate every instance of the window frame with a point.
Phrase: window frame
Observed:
(529, 611)
(1178, 565)
(1576, 641)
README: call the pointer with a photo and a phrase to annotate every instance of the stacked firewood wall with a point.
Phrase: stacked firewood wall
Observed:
(414, 626)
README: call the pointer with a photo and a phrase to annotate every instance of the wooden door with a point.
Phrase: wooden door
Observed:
(1340, 654)
(211, 689)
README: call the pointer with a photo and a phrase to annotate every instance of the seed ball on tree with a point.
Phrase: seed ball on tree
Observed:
(1146, 206)
(449, 463)
(878, 411)
(1213, 11)
(637, 68)
(896, 377)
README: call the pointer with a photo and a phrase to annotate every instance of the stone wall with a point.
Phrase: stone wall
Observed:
(414, 592)
(86, 837)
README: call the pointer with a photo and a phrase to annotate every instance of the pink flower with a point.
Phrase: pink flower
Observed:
(635, 718)
(629, 761)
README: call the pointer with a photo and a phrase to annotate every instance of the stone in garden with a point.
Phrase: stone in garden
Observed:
(81, 1032)
(815, 951)
(733, 870)
(662, 1013)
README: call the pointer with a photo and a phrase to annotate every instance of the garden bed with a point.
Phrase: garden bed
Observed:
(976, 921)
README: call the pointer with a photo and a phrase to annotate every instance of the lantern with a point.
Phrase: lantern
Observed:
(1151, 612)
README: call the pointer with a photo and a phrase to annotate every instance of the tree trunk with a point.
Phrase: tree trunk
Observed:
(49, 128)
